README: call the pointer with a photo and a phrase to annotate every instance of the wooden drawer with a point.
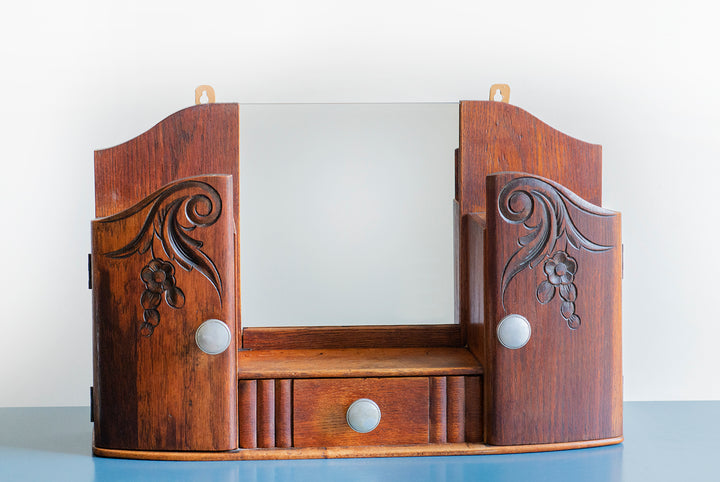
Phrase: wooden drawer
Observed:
(320, 407)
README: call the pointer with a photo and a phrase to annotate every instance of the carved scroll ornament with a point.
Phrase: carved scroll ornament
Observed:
(545, 211)
(171, 218)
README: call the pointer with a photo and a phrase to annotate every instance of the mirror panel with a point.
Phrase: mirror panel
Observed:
(346, 213)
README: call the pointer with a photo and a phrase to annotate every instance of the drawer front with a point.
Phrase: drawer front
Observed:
(320, 407)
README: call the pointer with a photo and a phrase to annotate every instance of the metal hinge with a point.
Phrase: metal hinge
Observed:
(89, 271)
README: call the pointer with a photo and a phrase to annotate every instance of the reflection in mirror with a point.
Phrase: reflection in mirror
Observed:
(346, 213)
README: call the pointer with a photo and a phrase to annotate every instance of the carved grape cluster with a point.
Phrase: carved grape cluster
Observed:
(560, 270)
(159, 278)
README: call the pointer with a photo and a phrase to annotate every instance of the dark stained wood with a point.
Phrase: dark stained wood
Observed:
(154, 389)
(457, 169)
(266, 413)
(156, 397)
(438, 409)
(473, 410)
(356, 362)
(495, 137)
(566, 383)
(197, 141)
(455, 409)
(393, 336)
(474, 284)
(247, 413)
(320, 407)
(356, 451)
(283, 413)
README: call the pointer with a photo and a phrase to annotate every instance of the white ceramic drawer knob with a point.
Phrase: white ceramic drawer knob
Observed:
(363, 415)
(213, 337)
(513, 332)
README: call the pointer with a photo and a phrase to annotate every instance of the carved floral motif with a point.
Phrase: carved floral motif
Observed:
(544, 211)
(560, 271)
(159, 278)
(169, 221)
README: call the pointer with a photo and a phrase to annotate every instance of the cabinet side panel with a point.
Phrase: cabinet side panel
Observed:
(155, 281)
(563, 275)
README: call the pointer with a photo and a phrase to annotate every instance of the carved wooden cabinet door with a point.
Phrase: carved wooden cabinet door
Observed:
(555, 260)
(159, 270)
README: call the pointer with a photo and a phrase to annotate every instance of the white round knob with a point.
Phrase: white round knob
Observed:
(213, 337)
(363, 415)
(513, 332)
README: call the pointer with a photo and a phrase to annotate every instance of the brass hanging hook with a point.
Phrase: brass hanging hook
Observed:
(208, 90)
(500, 89)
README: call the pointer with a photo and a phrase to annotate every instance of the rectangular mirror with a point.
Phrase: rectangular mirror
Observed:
(346, 214)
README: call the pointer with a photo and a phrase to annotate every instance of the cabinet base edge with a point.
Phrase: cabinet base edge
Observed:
(354, 452)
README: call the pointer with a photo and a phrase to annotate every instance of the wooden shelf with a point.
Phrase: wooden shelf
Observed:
(356, 362)
(377, 336)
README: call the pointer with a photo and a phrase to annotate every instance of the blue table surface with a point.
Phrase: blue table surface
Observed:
(663, 441)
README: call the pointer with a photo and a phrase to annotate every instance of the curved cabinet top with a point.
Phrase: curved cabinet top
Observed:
(495, 137)
(199, 140)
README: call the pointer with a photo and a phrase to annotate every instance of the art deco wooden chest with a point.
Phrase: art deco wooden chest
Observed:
(533, 362)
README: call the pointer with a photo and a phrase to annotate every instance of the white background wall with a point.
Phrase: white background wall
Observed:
(639, 78)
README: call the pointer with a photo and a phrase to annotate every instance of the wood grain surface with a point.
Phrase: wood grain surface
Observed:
(266, 413)
(152, 288)
(391, 336)
(455, 409)
(357, 451)
(496, 137)
(320, 407)
(444, 388)
(474, 407)
(197, 141)
(564, 276)
(247, 414)
(474, 284)
(356, 362)
(566, 383)
(438, 410)
(283, 413)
